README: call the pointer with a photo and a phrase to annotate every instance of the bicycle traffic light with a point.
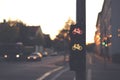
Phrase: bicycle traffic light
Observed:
(77, 48)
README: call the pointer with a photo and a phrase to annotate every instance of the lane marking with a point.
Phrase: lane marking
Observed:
(90, 60)
(89, 74)
(60, 73)
(74, 78)
(49, 73)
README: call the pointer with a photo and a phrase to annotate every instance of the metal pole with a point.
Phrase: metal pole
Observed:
(80, 76)
(80, 19)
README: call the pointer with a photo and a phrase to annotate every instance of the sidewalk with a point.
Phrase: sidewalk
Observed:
(95, 71)
(66, 74)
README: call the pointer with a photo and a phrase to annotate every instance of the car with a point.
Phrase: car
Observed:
(13, 56)
(35, 56)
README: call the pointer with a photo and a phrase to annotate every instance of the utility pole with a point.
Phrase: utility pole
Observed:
(78, 43)
(80, 16)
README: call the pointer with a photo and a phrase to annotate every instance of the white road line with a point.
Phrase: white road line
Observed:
(48, 73)
(74, 78)
(90, 60)
(89, 74)
(58, 74)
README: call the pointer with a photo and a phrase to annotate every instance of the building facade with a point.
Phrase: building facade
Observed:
(107, 36)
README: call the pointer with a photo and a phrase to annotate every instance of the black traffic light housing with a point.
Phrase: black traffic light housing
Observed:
(77, 48)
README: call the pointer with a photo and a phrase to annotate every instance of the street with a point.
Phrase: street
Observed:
(29, 70)
(54, 68)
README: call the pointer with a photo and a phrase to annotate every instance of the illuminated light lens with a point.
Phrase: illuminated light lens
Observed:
(34, 57)
(106, 45)
(28, 57)
(103, 43)
(40, 55)
(77, 47)
(5, 56)
(17, 56)
(46, 53)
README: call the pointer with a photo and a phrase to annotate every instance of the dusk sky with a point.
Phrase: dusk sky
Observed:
(51, 15)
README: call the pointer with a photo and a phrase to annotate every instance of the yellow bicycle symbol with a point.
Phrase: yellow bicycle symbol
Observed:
(77, 47)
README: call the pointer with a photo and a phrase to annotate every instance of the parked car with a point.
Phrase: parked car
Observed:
(35, 56)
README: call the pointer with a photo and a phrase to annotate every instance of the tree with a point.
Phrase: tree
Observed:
(62, 39)
(64, 33)
(8, 33)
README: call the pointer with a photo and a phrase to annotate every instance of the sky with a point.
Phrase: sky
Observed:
(51, 15)
(93, 7)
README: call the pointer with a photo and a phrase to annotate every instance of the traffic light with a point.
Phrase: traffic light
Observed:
(77, 43)
(77, 48)
(104, 43)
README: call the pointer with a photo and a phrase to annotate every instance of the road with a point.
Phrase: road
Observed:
(38, 70)
(54, 68)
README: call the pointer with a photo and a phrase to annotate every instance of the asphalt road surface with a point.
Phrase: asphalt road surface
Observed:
(37, 70)
(54, 68)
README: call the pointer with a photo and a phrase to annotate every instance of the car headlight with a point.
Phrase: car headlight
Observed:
(17, 56)
(5, 56)
(40, 55)
(28, 57)
(45, 53)
(34, 57)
